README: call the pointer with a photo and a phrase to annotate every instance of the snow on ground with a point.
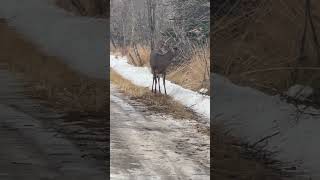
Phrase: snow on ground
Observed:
(253, 115)
(300, 92)
(79, 41)
(141, 76)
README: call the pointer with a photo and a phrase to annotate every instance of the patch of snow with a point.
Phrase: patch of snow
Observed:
(203, 91)
(253, 115)
(79, 41)
(141, 76)
(300, 92)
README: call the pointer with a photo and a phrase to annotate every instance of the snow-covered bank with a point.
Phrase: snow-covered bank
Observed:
(79, 41)
(141, 76)
(254, 115)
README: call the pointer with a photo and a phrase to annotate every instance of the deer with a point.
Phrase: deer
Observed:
(159, 64)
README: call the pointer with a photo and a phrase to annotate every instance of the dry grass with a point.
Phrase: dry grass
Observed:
(194, 74)
(137, 55)
(49, 78)
(154, 102)
(126, 86)
(267, 38)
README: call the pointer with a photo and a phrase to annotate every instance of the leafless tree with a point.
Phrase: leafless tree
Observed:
(151, 6)
(146, 22)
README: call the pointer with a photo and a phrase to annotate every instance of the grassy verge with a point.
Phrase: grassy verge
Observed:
(49, 78)
(154, 102)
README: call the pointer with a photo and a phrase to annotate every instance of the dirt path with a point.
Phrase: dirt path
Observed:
(146, 145)
(30, 147)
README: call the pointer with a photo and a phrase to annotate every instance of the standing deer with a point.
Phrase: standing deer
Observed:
(159, 64)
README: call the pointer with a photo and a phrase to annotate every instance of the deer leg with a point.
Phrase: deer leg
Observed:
(159, 83)
(164, 83)
(155, 85)
(152, 83)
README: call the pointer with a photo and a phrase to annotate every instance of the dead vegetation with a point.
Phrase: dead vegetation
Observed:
(138, 55)
(50, 79)
(195, 73)
(260, 46)
(154, 102)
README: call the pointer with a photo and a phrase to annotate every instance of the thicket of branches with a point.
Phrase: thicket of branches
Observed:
(145, 22)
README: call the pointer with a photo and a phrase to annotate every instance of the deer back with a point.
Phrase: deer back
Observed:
(160, 62)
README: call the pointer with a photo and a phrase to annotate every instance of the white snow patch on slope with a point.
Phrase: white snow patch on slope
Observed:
(300, 92)
(253, 115)
(79, 41)
(141, 76)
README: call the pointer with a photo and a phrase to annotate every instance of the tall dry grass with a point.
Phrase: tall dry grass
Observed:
(138, 55)
(267, 37)
(195, 73)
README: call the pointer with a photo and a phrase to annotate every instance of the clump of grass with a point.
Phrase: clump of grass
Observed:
(126, 86)
(138, 55)
(50, 79)
(195, 73)
(155, 102)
